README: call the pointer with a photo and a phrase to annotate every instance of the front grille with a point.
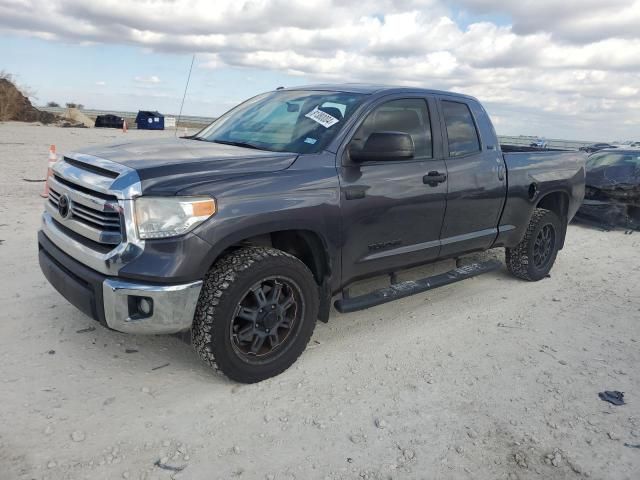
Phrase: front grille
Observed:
(98, 229)
(93, 215)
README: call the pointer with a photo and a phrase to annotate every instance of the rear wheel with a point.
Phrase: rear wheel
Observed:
(534, 256)
(256, 313)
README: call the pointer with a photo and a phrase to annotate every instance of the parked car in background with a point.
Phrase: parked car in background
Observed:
(540, 143)
(596, 147)
(612, 192)
(109, 121)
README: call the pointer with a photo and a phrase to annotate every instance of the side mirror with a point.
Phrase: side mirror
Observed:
(384, 146)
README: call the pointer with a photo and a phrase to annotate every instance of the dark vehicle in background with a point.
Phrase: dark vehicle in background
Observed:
(596, 147)
(243, 233)
(109, 121)
(612, 193)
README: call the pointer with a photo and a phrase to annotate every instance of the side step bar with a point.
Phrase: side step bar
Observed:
(411, 287)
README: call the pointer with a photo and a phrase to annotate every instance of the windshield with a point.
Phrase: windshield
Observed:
(284, 121)
(631, 159)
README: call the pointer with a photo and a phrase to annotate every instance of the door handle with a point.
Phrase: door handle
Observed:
(501, 171)
(434, 178)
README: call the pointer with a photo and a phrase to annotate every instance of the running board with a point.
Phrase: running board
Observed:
(411, 287)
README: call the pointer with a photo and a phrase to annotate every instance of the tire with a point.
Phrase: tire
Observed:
(528, 260)
(232, 315)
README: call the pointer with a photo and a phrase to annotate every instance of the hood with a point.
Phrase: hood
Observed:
(185, 162)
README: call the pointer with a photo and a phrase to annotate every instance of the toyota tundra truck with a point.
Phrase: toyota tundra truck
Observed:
(243, 233)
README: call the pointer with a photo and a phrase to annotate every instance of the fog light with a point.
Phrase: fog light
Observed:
(145, 306)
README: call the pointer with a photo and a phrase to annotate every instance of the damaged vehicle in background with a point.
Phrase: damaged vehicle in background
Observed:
(612, 193)
(596, 147)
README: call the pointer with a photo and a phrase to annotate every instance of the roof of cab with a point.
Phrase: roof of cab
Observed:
(369, 89)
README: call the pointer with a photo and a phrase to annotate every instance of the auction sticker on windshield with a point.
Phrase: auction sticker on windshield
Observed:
(322, 118)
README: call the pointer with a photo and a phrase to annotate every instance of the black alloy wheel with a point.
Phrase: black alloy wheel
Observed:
(532, 258)
(266, 317)
(543, 246)
(256, 313)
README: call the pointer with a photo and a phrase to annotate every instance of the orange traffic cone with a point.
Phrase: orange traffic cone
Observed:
(53, 158)
(124, 126)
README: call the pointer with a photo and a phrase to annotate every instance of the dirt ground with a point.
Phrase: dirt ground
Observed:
(491, 378)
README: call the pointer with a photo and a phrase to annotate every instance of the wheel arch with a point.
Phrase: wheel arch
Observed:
(309, 246)
(306, 245)
(557, 202)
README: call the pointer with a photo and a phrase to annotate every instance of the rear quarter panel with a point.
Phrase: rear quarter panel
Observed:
(530, 177)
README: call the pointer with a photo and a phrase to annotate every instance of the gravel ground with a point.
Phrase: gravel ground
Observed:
(491, 378)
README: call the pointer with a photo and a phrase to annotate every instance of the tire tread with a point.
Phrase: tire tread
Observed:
(517, 258)
(218, 284)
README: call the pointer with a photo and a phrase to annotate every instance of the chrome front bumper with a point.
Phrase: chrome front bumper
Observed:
(113, 301)
(173, 306)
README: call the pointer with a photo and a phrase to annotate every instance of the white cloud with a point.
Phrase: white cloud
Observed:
(576, 21)
(101, 83)
(563, 65)
(152, 79)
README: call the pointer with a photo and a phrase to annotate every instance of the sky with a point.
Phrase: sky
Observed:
(560, 69)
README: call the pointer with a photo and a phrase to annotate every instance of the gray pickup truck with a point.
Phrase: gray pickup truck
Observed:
(243, 233)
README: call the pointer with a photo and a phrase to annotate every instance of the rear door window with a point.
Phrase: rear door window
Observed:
(461, 129)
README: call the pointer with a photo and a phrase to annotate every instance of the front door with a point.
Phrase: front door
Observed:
(392, 210)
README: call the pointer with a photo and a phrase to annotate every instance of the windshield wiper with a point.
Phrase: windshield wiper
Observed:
(238, 144)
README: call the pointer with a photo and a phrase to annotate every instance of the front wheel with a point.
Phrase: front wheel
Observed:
(536, 253)
(256, 313)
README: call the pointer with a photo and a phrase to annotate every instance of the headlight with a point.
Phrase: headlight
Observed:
(162, 217)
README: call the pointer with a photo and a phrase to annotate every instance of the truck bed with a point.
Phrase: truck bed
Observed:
(510, 148)
(532, 174)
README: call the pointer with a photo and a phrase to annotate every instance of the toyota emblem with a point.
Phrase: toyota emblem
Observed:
(64, 206)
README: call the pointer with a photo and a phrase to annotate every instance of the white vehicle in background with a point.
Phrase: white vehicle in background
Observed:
(540, 143)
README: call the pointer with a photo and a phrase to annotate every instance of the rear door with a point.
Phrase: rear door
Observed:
(476, 177)
(391, 216)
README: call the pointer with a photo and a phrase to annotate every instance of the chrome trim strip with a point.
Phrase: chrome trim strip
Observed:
(106, 222)
(469, 236)
(106, 263)
(431, 244)
(99, 162)
(173, 306)
(402, 250)
(126, 187)
(83, 198)
(94, 234)
(74, 174)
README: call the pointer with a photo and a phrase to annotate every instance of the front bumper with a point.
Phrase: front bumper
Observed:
(114, 301)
